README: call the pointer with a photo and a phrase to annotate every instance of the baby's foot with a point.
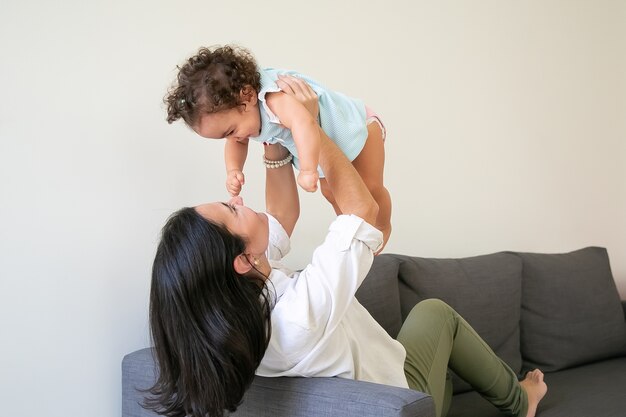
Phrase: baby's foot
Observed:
(308, 180)
(535, 390)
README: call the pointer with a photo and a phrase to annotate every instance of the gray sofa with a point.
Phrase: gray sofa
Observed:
(557, 312)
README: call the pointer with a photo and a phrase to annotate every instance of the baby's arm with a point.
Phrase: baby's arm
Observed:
(235, 154)
(305, 131)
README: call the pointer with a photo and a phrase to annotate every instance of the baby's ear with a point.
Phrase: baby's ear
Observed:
(247, 95)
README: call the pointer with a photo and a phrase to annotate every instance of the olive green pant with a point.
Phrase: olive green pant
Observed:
(436, 337)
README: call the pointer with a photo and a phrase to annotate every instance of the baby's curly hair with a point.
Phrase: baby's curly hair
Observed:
(211, 81)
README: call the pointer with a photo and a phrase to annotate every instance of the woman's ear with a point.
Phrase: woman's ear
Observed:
(241, 264)
(248, 96)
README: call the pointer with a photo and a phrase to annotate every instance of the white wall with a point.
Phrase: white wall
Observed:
(507, 130)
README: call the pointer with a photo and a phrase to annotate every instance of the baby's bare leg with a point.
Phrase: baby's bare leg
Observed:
(370, 164)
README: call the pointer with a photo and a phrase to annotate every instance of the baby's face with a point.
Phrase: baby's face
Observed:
(238, 123)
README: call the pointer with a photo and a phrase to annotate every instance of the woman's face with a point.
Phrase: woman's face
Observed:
(239, 220)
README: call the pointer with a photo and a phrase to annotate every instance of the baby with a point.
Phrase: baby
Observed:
(221, 93)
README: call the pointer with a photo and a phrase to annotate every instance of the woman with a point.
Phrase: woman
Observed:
(223, 306)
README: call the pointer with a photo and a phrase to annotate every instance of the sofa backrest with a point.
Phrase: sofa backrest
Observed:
(380, 295)
(551, 311)
(485, 290)
(571, 310)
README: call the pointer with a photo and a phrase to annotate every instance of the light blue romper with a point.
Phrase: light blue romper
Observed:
(341, 117)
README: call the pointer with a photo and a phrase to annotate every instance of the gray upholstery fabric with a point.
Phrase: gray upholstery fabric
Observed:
(289, 397)
(593, 390)
(485, 290)
(329, 397)
(562, 291)
(138, 373)
(571, 311)
(380, 295)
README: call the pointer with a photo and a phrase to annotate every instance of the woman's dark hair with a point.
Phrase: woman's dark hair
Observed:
(210, 325)
(211, 81)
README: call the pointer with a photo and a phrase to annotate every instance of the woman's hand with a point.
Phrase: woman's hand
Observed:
(301, 91)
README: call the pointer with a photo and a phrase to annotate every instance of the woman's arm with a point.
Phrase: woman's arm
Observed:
(351, 194)
(281, 194)
(340, 264)
(304, 129)
(349, 190)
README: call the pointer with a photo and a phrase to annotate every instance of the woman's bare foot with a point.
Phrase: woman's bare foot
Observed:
(535, 390)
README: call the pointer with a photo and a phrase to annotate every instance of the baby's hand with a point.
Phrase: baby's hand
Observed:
(234, 181)
(308, 180)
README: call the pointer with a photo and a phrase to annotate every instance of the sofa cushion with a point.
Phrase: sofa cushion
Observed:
(485, 290)
(571, 311)
(593, 390)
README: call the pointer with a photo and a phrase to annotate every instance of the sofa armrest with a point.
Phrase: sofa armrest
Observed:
(305, 397)
(293, 397)
(138, 373)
